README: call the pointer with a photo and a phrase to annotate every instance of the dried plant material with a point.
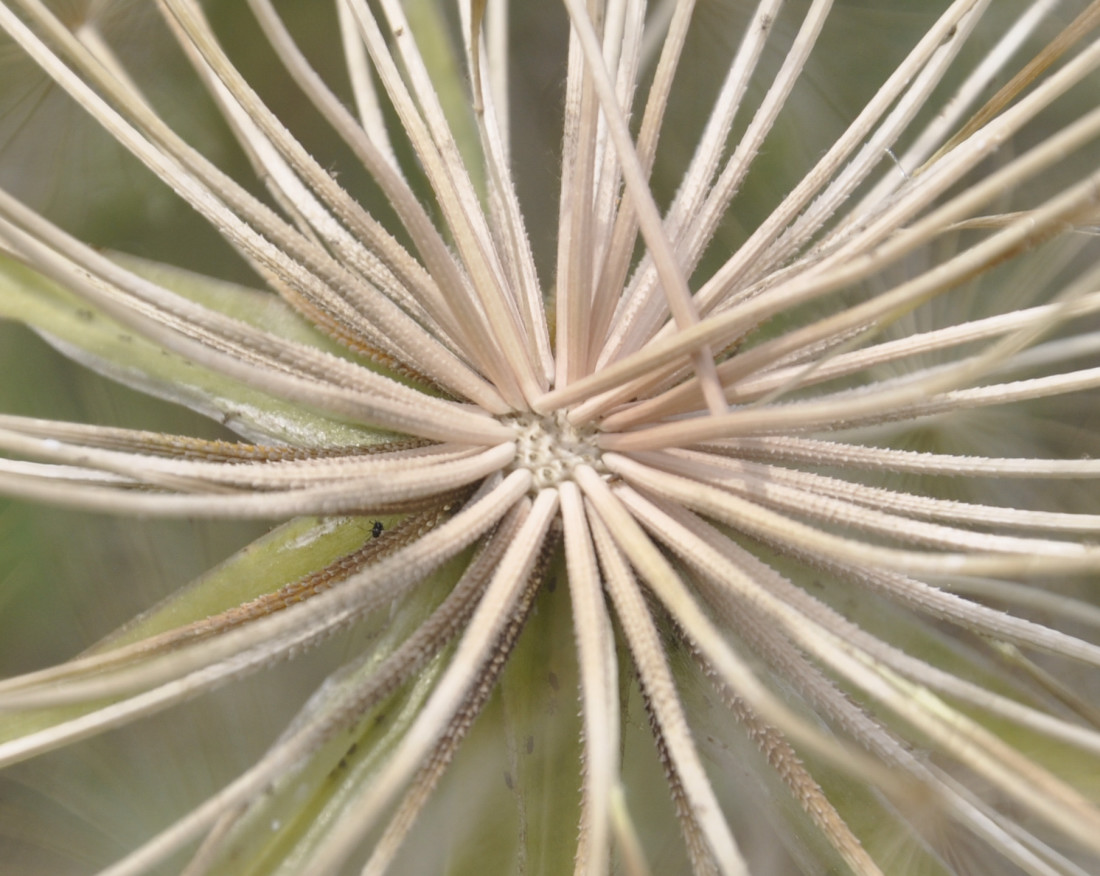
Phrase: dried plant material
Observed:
(714, 492)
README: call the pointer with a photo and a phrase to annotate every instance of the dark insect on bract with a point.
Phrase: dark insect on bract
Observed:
(376, 530)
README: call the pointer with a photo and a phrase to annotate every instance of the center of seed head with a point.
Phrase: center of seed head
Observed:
(551, 448)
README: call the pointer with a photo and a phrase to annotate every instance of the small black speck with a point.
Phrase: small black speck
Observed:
(508, 780)
(376, 530)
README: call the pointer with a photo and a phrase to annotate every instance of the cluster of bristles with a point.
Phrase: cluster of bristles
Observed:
(551, 448)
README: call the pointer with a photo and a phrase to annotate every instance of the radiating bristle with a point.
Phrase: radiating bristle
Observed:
(758, 472)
